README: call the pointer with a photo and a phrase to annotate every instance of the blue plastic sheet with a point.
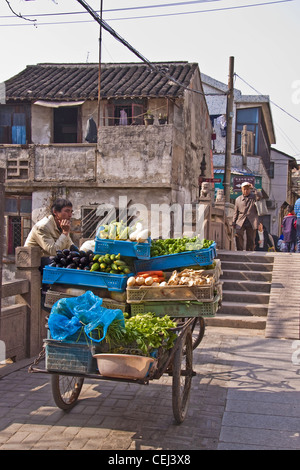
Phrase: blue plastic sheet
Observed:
(68, 315)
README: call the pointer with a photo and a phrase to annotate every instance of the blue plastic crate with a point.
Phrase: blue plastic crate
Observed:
(202, 257)
(124, 247)
(69, 357)
(79, 277)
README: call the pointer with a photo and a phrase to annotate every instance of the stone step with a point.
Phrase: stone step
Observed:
(235, 321)
(245, 285)
(246, 297)
(234, 274)
(246, 266)
(243, 308)
(244, 257)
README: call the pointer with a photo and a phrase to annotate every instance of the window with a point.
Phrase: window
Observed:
(14, 124)
(124, 113)
(65, 125)
(247, 117)
(18, 213)
(89, 222)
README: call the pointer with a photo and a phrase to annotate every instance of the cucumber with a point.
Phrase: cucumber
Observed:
(119, 262)
(95, 267)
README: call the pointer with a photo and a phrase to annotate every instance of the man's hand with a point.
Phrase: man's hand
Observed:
(65, 225)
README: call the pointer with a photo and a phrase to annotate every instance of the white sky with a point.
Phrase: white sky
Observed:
(264, 40)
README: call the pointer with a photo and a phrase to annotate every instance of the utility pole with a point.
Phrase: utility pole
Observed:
(229, 117)
(100, 61)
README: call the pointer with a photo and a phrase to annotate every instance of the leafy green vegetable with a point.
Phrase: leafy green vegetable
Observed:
(141, 335)
(149, 332)
(171, 246)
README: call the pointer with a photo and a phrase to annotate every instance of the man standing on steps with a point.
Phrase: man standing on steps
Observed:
(245, 218)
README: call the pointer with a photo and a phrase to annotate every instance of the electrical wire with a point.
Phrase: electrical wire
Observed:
(155, 16)
(277, 106)
(118, 9)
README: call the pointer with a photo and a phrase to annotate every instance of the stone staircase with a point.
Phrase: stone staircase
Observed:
(247, 280)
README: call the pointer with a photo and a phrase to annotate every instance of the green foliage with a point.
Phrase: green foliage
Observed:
(171, 246)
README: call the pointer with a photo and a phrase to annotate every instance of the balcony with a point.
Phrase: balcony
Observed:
(124, 155)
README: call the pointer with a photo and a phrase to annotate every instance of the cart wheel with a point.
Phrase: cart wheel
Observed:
(182, 377)
(66, 390)
(198, 328)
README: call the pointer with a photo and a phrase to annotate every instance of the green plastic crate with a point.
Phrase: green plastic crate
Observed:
(177, 308)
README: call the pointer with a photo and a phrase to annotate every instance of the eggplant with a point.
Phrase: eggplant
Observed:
(71, 266)
(74, 254)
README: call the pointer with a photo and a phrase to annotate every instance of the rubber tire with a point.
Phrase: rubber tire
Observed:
(199, 321)
(66, 390)
(181, 385)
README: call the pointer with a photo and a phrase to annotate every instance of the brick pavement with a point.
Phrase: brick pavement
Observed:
(245, 396)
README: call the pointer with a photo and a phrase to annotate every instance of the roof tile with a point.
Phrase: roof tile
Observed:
(80, 81)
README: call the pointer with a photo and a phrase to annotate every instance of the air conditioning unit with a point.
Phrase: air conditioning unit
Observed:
(271, 204)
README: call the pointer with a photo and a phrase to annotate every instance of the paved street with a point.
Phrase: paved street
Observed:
(245, 396)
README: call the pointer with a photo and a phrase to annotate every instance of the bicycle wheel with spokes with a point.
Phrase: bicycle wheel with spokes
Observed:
(66, 390)
(182, 377)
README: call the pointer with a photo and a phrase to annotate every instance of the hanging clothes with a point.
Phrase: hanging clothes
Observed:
(91, 131)
(123, 118)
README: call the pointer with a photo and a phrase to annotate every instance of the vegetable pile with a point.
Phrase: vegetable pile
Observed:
(147, 278)
(72, 259)
(187, 277)
(112, 264)
(145, 333)
(171, 246)
(150, 332)
(120, 231)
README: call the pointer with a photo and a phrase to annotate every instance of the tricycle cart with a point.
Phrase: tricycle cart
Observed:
(176, 362)
(70, 362)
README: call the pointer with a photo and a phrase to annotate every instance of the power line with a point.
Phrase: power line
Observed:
(279, 107)
(154, 16)
(120, 9)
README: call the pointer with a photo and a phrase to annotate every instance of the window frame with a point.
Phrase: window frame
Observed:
(23, 217)
(14, 109)
(135, 109)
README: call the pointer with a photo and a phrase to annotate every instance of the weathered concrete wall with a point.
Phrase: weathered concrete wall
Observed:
(135, 154)
(197, 134)
(65, 162)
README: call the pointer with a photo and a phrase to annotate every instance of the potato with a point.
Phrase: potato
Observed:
(149, 281)
(139, 280)
(131, 281)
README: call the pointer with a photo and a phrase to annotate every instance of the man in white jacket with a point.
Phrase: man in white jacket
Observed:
(52, 233)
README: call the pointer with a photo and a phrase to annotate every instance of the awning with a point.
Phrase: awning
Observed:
(58, 104)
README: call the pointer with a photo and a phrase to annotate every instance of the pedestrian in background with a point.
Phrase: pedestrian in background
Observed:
(263, 240)
(289, 230)
(245, 218)
(297, 214)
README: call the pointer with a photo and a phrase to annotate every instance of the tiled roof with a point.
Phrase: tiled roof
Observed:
(80, 81)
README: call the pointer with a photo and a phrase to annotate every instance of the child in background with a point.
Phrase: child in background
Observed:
(289, 230)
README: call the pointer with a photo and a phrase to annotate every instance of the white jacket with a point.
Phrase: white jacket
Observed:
(48, 237)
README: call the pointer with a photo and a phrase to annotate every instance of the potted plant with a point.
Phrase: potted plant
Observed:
(148, 118)
(162, 118)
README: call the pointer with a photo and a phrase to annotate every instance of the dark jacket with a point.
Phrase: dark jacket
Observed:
(289, 229)
(267, 242)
